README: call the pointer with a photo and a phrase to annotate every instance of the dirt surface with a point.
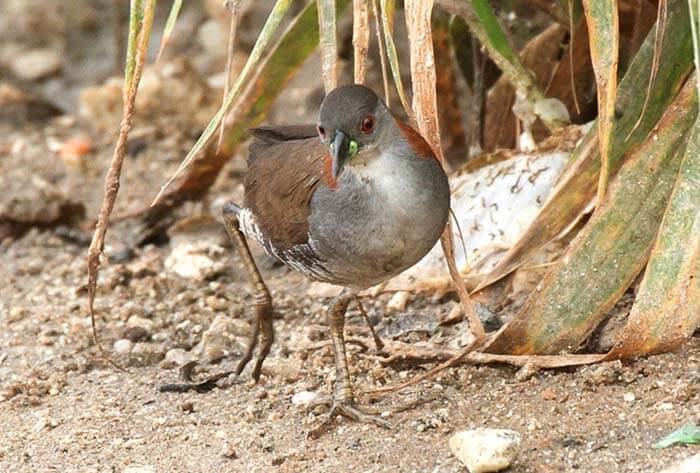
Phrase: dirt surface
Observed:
(165, 300)
(65, 409)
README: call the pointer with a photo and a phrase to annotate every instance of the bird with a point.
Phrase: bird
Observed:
(352, 200)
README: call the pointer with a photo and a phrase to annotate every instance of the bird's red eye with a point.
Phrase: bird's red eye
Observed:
(368, 124)
(321, 131)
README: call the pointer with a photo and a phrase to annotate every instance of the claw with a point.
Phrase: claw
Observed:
(350, 410)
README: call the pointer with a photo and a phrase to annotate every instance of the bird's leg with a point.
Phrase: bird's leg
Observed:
(262, 302)
(343, 398)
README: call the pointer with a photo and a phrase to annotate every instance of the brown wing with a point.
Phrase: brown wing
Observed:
(285, 164)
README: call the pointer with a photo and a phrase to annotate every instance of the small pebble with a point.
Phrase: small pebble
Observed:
(629, 397)
(486, 450)
(140, 469)
(123, 346)
(187, 406)
(217, 340)
(304, 398)
(175, 357)
(229, 450)
(141, 322)
(135, 334)
(36, 64)
(398, 302)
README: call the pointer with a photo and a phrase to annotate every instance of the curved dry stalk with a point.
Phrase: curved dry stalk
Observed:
(468, 355)
(140, 25)
(418, 21)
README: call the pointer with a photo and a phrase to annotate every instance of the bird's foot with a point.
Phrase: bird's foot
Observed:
(349, 409)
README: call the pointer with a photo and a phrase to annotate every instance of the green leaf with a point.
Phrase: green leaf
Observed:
(484, 25)
(686, 435)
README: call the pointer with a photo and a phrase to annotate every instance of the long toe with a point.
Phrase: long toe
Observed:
(350, 410)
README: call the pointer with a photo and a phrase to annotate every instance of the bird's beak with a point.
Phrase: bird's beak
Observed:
(339, 152)
(342, 149)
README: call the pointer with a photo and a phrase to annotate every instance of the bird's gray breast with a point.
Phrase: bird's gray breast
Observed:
(382, 218)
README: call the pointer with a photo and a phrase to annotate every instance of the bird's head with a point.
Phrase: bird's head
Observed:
(351, 120)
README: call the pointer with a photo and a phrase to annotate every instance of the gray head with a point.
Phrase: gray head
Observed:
(351, 119)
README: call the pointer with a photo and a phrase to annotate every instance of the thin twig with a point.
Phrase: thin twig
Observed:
(428, 374)
(468, 355)
(139, 39)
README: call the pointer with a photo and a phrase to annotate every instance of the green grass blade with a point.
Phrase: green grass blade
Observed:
(265, 37)
(496, 39)
(169, 25)
(135, 27)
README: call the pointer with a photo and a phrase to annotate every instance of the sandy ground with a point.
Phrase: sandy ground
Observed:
(63, 408)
